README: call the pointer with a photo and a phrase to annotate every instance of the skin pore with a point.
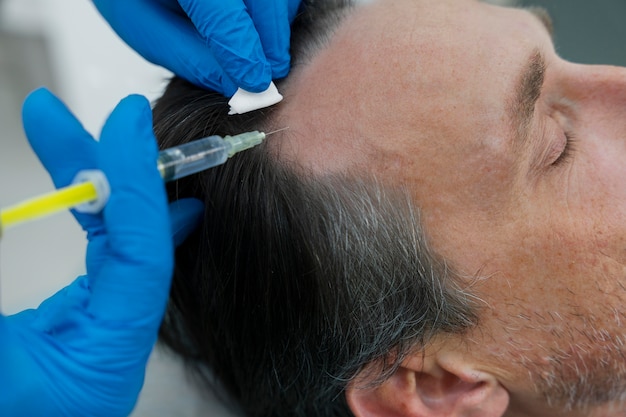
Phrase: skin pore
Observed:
(516, 159)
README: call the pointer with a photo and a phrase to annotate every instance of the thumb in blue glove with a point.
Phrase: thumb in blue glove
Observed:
(84, 350)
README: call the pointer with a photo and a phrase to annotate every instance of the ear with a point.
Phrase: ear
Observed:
(431, 386)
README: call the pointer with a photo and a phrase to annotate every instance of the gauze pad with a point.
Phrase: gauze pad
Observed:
(244, 101)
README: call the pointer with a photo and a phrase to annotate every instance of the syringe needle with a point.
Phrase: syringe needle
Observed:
(276, 131)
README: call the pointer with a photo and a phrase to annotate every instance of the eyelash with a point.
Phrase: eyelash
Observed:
(568, 150)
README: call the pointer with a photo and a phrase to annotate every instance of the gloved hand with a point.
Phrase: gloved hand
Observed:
(219, 44)
(83, 352)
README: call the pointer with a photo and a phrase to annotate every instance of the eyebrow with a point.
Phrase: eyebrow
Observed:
(530, 84)
(527, 93)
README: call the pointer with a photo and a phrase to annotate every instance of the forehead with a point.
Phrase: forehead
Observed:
(401, 74)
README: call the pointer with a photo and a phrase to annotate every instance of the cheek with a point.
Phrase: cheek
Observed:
(536, 270)
(599, 185)
(566, 236)
(463, 210)
(569, 247)
(583, 201)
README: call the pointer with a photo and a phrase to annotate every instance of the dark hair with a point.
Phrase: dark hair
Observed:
(296, 283)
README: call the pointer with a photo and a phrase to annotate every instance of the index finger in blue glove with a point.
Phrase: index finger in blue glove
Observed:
(132, 282)
(272, 19)
(62, 144)
(233, 40)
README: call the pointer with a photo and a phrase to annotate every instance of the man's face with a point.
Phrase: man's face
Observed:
(517, 159)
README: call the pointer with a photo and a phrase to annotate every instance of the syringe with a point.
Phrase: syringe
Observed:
(90, 192)
(201, 154)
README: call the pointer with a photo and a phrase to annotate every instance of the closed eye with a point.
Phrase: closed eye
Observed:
(568, 150)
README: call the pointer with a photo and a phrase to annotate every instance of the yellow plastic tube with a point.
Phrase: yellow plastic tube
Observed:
(50, 203)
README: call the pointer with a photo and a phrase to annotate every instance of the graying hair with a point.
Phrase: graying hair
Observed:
(297, 283)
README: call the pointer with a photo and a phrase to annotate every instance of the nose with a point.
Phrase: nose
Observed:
(603, 86)
(597, 97)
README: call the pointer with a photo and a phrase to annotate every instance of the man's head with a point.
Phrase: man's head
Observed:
(514, 159)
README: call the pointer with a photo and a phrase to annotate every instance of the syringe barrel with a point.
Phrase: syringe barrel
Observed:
(192, 157)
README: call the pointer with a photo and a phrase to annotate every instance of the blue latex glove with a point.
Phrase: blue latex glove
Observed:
(83, 352)
(219, 44)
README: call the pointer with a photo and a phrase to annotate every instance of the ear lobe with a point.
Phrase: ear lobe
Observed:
(423, 387)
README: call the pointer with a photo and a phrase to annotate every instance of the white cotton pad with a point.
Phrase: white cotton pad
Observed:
(244, 101)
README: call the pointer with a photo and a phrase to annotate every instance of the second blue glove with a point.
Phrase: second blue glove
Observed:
(219, 44)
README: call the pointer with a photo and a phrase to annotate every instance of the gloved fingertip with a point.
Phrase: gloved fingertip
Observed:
(132, 117)
(137, 101)
(280, 70)
(185, 215)
(137, 106)
(255, 79)
(36, 101)
(229, 88)
(254, 85)
(40, 92)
